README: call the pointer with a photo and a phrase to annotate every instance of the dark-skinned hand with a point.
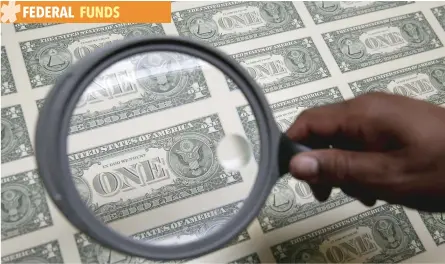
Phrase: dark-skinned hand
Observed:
(383, 147)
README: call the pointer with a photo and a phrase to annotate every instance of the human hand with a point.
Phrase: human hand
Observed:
(385, 147)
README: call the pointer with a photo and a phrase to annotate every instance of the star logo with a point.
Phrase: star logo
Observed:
(9, 12)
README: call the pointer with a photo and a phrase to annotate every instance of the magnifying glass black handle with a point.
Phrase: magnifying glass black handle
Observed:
(288, 149)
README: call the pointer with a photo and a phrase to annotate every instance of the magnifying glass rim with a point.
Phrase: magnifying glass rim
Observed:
(52, 134)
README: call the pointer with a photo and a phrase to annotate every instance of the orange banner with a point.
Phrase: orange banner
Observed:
(85, 12)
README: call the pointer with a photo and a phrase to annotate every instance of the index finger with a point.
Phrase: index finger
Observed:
(321, 124)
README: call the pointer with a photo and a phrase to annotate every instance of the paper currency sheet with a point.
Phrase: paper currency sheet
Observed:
(338, 49)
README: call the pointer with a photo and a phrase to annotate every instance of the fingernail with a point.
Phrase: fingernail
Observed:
(304, 167)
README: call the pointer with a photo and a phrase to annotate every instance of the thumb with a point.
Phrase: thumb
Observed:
(339, 167)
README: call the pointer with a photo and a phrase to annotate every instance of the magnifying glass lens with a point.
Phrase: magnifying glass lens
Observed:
(152, 166)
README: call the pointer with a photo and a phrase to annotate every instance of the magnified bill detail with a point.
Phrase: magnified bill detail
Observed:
(176, 167)
(138, 86)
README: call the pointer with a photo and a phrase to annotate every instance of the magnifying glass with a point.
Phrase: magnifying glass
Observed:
(133, 165)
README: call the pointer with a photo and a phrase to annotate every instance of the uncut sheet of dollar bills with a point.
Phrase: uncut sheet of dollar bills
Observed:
(306, 54)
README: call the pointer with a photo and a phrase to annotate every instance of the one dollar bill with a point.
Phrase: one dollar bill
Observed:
(191, 227)
(49, 252)
(291, 200)
(435, 224)
(24, 205)
(381, 41)
(16, 143)
(232, 22)
(424, 81)
(328, 11)
(138, 86)
(439, 13)
(47, 58)
(144, 172)
(283, 65)
(381, 235)
(8, 83)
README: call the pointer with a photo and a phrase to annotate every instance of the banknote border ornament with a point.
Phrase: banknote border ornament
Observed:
(8, 82)
(15, 134)
(438, 13)
(435, 226)
(51, 146)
